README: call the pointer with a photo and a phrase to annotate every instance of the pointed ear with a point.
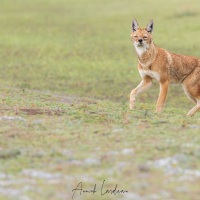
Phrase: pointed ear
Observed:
(135, 25)
(149, 27)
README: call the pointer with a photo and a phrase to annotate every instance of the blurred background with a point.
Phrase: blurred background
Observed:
(83, 47)
(66, 71)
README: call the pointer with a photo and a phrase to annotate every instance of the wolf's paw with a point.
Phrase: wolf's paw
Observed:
(190, 114)
(132, 104)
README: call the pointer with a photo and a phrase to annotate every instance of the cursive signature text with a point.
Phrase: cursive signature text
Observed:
(79, 190)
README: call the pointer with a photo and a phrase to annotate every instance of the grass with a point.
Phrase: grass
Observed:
(67, 68)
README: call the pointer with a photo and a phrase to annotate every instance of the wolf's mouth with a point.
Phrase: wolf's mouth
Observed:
(140, 44)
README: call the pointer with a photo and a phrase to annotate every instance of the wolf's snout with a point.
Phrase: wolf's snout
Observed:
(140, 40)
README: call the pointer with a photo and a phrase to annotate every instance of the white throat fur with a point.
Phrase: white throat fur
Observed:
(141, 49)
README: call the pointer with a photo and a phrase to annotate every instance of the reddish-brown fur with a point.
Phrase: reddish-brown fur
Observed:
(165, 67)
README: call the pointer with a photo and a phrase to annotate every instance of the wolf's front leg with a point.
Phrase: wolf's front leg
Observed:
(162, 96)
(144, 84)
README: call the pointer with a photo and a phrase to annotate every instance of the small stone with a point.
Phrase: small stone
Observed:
(91, 161)
(144, 168)
(127, 151)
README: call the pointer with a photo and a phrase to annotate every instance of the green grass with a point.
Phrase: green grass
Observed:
(67, 68)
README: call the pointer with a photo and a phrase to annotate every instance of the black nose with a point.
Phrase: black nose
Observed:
(140, 40)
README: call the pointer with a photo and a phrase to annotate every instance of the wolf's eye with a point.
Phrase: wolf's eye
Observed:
(135, 36)
(145, 37)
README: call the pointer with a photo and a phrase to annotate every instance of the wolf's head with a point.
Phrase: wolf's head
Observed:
(141, 38)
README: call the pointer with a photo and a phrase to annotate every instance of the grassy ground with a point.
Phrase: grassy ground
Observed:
(67, 68)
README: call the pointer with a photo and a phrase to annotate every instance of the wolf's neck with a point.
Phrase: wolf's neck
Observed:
(146, 55)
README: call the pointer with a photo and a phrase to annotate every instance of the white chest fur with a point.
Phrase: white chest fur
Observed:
(150, 73)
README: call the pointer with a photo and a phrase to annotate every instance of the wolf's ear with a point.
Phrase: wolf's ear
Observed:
(135, 25)
(149, 27)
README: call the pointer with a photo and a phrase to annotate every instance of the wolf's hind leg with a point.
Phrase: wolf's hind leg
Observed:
(195, 109)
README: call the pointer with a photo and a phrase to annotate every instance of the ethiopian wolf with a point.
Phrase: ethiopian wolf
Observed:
(165, 67)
